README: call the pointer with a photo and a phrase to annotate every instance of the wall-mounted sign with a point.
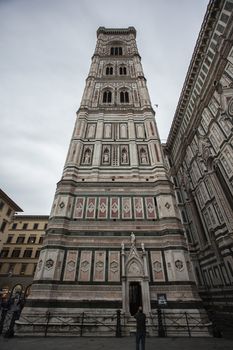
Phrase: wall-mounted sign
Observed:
(162, 299)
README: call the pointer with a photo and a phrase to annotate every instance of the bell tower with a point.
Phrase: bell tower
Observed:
(114, 239)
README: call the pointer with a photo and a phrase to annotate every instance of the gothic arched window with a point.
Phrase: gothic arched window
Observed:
(107, 96)
(116, 51)
(124, 97)
(109, 70)
(123, 71)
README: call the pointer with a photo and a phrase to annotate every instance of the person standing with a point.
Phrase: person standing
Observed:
(141, 329)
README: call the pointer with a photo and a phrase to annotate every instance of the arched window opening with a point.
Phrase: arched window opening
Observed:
(135, 96)
(107, 96)
(124, 97)
(184, 217)
(179, 199)
(224, 185)
(157, 153)
(175, 181)
(230, 268)
(123, 70)
(198, 276)
(116, 51)
(109, 71)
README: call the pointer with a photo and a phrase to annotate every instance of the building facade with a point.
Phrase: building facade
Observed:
(199, 151)
(114, 238)
(22, 242)
(7, 210)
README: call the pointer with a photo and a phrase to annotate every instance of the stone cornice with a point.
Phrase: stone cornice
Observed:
(116, 58)
(116, 31)
(114, 109)
(30, 217)
(213, 11)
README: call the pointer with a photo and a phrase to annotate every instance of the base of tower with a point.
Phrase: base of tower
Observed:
(111, 323)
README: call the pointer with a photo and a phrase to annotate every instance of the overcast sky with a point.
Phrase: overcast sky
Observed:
(45, 55)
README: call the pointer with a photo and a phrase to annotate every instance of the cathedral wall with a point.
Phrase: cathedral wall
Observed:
(201, 157)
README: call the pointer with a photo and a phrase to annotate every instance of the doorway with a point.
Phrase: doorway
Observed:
(135, 297)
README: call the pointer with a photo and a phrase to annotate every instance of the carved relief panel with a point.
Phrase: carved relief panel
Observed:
(138, 208)
(85, 266)
(114, 208)
(54, 206)
(157, 266)
(140, 130)
(71, 265)
(107, 131)
(91, 208)
(115, 131)
(50, 264)
(96, 94)
(123, 131)
(113, 266)
(151, 213)
(99, 266)
(135, 268)
(120, 207)
(176, 265)
(59, 263)
(166, 206)
(79, 207)
(40, 264)
(103, 208)
(126, 208)
(90, 130)
(63, 206)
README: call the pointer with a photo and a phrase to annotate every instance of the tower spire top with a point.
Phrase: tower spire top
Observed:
(124, 31)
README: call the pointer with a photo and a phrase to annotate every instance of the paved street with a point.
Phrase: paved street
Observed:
(114, 343)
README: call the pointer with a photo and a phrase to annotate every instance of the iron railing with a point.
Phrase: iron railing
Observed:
(160, 323)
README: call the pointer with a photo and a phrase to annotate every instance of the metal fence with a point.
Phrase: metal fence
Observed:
(160, 323)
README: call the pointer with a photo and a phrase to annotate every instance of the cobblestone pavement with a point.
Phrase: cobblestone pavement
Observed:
(128, 343)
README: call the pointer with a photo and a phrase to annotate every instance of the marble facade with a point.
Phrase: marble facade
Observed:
(114, 239)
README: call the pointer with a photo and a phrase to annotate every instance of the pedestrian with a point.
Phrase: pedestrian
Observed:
(141, 329)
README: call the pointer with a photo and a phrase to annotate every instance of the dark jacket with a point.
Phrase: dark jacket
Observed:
(141, 322)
